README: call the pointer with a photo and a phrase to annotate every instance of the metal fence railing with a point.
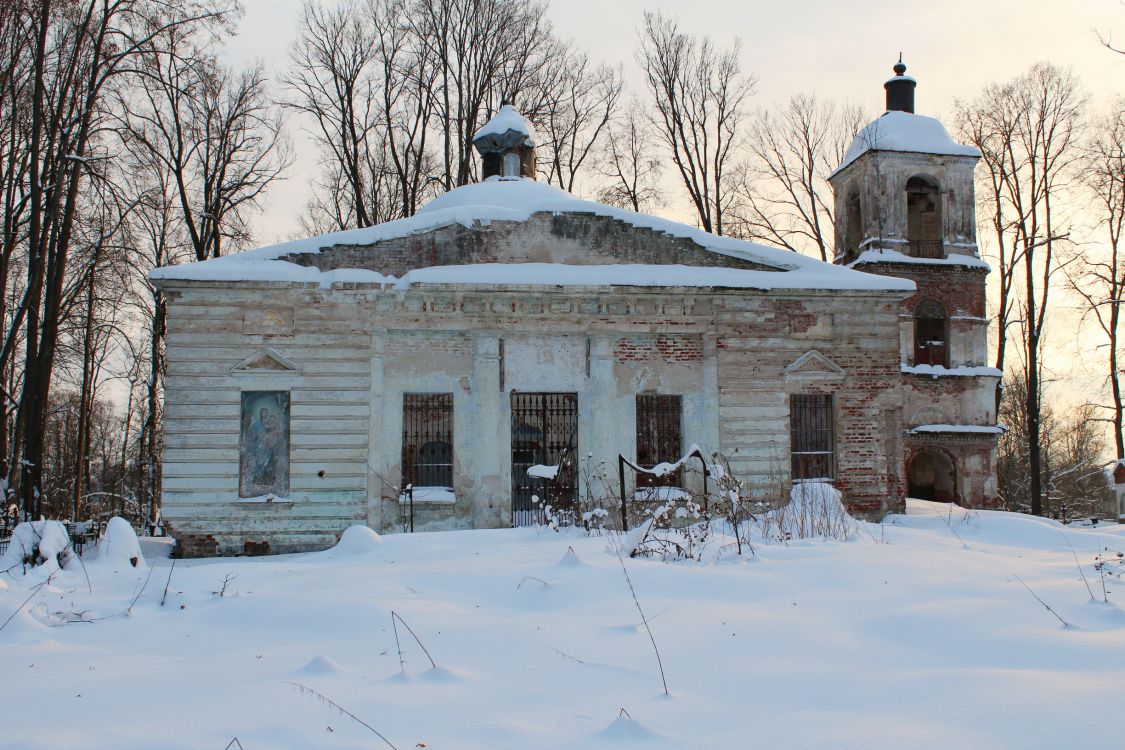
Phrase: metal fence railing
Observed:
(927, 248)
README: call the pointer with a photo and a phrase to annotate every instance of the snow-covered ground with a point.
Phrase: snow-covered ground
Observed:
(918, 634)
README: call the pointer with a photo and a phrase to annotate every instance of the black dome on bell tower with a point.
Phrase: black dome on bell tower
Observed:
(900, 89)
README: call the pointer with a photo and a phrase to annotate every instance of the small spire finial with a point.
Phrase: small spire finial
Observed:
(900, 66)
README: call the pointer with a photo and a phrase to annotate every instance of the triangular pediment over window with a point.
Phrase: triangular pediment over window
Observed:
(266, 360)
(814, 365)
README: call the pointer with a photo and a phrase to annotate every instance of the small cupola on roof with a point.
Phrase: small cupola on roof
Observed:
(506, 145)
(900, 89)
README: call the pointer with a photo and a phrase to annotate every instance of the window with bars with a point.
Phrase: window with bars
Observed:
(427, 440)
(659, 437)
(812, 436)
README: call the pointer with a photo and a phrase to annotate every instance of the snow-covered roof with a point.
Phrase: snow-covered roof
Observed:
(507, 119)
(507, 199)
(904, 131)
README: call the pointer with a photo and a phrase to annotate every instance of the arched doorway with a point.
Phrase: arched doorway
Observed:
(932, 476)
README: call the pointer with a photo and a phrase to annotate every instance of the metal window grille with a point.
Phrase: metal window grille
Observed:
(427, 440)
(659, 437)
(812, 436)
(545, 432)
(927, 248)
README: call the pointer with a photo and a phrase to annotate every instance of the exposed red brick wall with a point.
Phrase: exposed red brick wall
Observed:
(659, 348)
(251, 547)
(193, 545)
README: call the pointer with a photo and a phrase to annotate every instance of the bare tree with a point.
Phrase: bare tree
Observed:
(577, 119)
(698, 95)
(204, 145)
(332, 64)
(487, 52)
(16, 81)
(156, 238)
(1071, 470)
(987, 126)
(398, 88)
(1027, 131)
(786, 199)
(631, 163)
(78, 53)
(407, 78)
(215, 132)
(1099, 279)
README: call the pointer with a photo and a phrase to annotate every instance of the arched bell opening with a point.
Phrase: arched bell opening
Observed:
(923, 217)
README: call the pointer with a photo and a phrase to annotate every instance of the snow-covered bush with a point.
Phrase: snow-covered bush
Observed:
(677, 530)
(119, 543)
(591, 509)
(38, 543)
(815, 510)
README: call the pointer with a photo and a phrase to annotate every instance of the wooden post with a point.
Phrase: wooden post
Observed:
(624, 507)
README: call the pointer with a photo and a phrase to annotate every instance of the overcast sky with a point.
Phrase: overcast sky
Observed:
(839, 49)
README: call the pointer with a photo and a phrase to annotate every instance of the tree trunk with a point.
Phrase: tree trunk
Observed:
(82, 465)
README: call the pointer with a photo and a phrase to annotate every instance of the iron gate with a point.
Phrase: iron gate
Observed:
(544, 431)
(659, 437)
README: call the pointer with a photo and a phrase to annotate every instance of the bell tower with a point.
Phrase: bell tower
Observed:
(506, 145)
(905, 207)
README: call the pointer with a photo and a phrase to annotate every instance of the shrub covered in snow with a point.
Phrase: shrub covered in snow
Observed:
(815, 510)
(120, 543)
(730, 518)
(38, 543)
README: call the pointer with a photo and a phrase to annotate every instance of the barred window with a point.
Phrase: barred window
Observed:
(812, 436)
(659, 439)
(427, 440)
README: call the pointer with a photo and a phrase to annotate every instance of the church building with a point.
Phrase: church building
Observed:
(408, 375)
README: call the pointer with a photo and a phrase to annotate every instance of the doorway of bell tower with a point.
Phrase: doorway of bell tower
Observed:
(932, 476)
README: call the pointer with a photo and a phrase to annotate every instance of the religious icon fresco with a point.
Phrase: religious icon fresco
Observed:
(263, 447)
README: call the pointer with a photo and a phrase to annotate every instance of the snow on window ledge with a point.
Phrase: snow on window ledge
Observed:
(964, 429)
(434, 495)
(938, 371)
(269, 499)
(886, 255)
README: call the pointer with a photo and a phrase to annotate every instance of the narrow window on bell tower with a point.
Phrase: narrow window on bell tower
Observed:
(931, 334)
(511, 164)
(853, 227)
